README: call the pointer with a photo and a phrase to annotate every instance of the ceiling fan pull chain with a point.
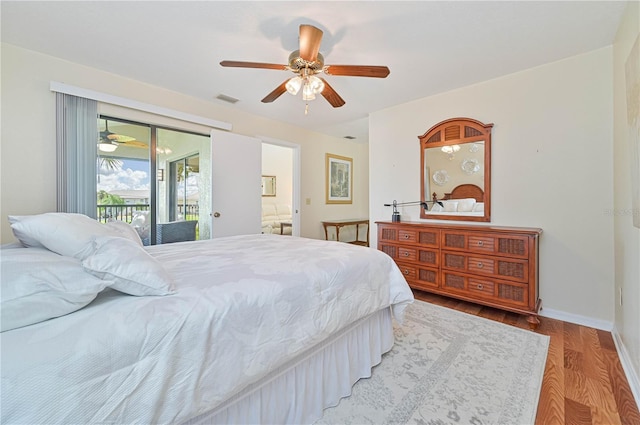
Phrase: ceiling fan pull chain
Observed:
(306, 108)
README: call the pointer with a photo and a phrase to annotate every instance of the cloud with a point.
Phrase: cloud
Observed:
(123, 179)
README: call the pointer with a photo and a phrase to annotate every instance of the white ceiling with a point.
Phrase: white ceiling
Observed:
(430, 47)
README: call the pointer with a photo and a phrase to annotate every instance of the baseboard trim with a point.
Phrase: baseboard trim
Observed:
(627, 366)
(604, 325)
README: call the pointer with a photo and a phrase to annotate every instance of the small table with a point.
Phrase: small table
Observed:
(348, 222)
(283, 225)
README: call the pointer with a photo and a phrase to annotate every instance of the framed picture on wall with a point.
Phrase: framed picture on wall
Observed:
(339, 175)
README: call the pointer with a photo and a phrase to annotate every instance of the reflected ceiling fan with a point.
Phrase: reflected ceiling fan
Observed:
(306, 63)
(110, 141)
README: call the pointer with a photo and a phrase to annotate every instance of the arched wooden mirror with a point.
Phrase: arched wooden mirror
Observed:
(456, 170)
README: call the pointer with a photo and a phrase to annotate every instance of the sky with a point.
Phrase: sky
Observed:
(133, 175)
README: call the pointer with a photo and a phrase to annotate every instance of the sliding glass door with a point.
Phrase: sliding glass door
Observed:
(185, 187)
(152, 176)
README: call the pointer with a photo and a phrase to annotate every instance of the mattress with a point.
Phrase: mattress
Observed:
(245, 307)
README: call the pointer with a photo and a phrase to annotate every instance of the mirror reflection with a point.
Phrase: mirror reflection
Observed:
(456, 167)
(448, 167)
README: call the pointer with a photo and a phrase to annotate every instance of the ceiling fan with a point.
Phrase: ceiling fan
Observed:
(110, 141)
(306, 63)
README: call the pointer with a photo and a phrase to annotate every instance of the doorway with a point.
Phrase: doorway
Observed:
(280, 161)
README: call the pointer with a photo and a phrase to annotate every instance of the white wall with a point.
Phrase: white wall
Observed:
(627, 237)
(27, 172)
(552, 168)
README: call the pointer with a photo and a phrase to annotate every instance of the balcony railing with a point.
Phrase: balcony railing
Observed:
(124, 212)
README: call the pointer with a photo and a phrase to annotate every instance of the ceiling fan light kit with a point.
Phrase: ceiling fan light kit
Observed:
(107, 146)
(306, 63)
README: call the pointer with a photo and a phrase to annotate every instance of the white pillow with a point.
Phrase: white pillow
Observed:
(67, 234)
(128, 266)
(37, 285)
(450, 206)
(466, 204)
(141, 223)
(478, 207)
(24, 238)
(437, 208)
(124, 230)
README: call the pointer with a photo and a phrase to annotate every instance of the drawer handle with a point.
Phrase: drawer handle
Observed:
(480, 243)
(406, 236)
(406, 254)
(479, 286)
(480, 265)
(406, 271)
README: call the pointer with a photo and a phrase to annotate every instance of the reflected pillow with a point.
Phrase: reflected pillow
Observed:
(437, 208)
(67, 234)
(478, 207)
(450, 206)
(37, 285)
(128, 267)
(466, 204)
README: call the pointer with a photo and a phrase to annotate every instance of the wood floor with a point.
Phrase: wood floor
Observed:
(583, 383)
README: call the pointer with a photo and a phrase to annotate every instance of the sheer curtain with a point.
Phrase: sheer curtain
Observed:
(76, 151)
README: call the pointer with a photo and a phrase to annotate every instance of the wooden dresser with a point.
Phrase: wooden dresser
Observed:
(493, 266)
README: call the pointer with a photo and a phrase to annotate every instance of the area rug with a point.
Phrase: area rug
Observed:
(449, 367)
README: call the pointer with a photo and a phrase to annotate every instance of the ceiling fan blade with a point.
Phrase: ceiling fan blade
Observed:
(133, 143)
(240, 64)
(357, 70)
(331, 95)
(275, 93)
(310, 38)
(121, 138)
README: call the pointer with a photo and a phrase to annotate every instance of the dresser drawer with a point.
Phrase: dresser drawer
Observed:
(500, 267)
(506, 293)
(421, 237)
(486, 243)
(399, 252)
(423, 256)
(410, 236)
(407, 254)
(418, 276)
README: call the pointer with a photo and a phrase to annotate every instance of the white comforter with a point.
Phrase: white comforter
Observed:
(244, 306)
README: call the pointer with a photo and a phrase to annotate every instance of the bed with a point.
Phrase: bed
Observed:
(244, 329)
(465, 199)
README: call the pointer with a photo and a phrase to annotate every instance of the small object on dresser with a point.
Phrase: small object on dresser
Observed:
(395, 215)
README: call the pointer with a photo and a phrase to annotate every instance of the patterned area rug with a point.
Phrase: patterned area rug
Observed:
(449, 367)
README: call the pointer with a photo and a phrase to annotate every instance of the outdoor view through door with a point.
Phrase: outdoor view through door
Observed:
(155, 178)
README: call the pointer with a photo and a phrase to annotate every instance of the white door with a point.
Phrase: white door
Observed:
(236, 184)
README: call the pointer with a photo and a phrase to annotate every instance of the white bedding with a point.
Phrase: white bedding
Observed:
(243, 307)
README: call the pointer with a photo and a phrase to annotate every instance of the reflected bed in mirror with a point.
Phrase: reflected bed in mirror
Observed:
(456, 170)
(466, 199)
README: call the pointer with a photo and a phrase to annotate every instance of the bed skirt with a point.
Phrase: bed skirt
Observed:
(317, 379)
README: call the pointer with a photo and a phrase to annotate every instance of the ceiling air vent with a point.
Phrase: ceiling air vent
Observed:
(349, 137)
(226, 98)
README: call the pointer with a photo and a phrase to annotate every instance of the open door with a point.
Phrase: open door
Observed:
(236, 175)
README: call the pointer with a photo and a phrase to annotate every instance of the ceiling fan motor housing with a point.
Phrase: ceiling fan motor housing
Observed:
(296, 63)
